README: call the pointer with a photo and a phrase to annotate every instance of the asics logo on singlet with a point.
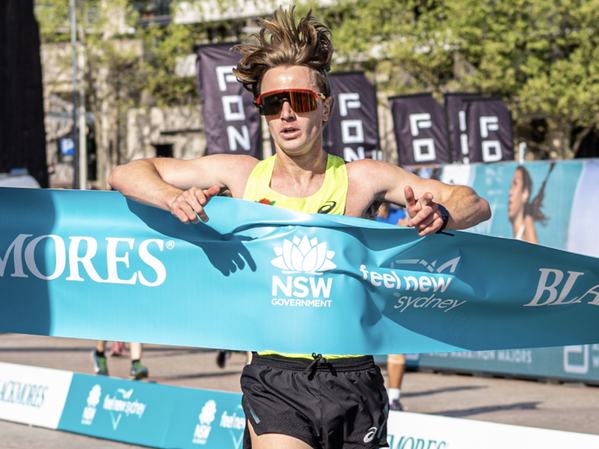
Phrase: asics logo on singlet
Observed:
(370, 435)
(304, 256)
(327, 207)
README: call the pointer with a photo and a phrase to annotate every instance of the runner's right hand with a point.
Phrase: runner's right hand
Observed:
(191, 202)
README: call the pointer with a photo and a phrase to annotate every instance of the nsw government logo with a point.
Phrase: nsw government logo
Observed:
(93, 399)
(298, 259)
(202, 431)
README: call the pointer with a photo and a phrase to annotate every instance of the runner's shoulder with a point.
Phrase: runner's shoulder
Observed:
(230, 160)
(368, 170)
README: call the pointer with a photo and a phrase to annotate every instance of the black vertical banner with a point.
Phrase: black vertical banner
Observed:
(231, 121)
(457, 126)
(490, 130)
(352, 132)
(480, 128)
(420, 131)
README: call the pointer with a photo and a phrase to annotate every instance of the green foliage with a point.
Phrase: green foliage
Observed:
(164, 46)
(52, 16)
(541, 56)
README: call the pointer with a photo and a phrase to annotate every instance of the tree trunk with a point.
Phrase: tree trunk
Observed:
(22, 133)
(580, 137)
(558, 137)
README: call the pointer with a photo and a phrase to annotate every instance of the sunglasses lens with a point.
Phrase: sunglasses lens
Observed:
(300, 101)
(271, 104)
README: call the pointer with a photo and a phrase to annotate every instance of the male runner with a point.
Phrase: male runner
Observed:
(300, 400)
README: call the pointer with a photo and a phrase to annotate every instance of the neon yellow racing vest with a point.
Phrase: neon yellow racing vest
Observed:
(330, 199)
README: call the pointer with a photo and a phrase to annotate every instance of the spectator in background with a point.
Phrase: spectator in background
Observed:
(392, 214)
(137, 372)
(118, 349)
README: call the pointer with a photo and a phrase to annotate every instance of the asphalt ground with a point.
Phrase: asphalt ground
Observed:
(568, 406)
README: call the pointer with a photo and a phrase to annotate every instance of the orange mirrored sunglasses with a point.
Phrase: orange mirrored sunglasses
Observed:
(301, 100)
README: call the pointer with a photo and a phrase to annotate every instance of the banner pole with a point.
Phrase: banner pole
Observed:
(521, 152)
(74, 63)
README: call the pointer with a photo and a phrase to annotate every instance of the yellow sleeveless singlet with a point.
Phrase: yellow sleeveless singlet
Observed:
(330, 199)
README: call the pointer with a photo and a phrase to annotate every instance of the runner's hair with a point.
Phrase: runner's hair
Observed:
(283, 43)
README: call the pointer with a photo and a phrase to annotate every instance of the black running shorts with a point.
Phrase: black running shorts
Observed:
(336, 404)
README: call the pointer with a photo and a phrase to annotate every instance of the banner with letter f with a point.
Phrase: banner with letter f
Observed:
(231, 121)
(420, 131)
(352, 132)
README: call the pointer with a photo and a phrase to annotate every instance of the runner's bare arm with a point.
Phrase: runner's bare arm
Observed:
(375, 180)
(182, 187)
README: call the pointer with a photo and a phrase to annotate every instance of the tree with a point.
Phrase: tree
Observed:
(539, 55)
(111, 56)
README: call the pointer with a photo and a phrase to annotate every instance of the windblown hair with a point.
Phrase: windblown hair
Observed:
(534, 208)
(282, 42)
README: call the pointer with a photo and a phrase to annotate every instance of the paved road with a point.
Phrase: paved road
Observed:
(571, 407)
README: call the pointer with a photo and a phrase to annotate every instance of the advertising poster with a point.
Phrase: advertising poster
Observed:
(548, 203)
(532, 202)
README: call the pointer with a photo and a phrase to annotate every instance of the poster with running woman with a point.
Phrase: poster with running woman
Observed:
(536, 202)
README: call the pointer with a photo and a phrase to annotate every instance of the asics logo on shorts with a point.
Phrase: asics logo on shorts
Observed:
(370, 435)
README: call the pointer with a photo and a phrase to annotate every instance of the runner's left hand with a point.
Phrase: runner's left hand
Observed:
(424, 213)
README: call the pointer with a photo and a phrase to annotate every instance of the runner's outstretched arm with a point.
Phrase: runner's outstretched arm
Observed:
(182, 187)
(375, 180)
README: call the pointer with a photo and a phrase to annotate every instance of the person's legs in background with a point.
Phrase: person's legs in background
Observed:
(118, 349)
(396, 366)
(138, 371)
(221, 357)
(99, 359)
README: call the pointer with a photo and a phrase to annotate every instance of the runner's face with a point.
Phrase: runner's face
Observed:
(518, 196)
(295, 133)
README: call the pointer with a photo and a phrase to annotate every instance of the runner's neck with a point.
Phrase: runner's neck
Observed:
(299, 176)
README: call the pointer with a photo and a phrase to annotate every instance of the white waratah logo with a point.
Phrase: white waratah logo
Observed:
(304, 256)
(92, 401)
(202, 430)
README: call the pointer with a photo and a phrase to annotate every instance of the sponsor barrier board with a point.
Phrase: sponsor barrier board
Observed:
(153, 415)
(32, 395)
(417, 431)
(577, 363)
(116, 409)
(207, 419)
(163, 416)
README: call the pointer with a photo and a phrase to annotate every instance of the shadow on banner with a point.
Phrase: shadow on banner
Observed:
(24, 243)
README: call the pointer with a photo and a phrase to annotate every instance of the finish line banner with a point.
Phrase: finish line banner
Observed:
(96, 265)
